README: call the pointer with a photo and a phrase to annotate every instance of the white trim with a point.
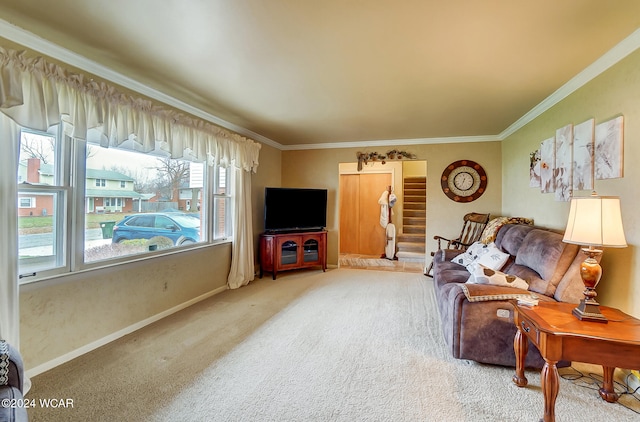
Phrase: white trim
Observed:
(30, 40)
(34, 42)
(118, 334)
(611, 57)
(392, 142)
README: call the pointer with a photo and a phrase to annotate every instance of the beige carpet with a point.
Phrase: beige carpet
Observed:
(345, 345)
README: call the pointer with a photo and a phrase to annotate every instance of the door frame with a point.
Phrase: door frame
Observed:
(394, 168)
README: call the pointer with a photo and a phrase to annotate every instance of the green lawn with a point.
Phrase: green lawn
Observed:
(34, 224)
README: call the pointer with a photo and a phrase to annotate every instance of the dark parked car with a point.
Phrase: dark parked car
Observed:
(181, 228)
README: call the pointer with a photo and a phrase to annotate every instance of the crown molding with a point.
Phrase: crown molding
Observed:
(36, 43)
(391, 142)
(610, 58)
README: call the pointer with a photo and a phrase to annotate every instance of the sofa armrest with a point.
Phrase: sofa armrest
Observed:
(482, 331)
(14, 412)
(11, 366)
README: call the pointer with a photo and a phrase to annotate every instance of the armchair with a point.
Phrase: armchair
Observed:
(472, 227)
(11, 384)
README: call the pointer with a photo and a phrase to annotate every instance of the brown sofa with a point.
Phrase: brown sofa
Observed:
(477, 319)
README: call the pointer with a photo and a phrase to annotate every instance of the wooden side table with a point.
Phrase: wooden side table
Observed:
(560, 336)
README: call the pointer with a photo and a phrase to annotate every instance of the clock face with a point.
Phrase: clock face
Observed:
(464, 181)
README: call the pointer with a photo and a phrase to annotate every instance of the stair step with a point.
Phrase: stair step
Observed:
(414, 229)
(411, 247)
(411, 257)
(415, 191)
(415, 213)
(413, 221)
(415, 198)
(415, 179)
(411, 237)
(415, 206)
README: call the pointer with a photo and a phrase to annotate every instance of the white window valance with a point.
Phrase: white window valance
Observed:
(37, 94)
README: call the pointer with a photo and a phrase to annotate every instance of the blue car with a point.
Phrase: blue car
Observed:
(181, 228)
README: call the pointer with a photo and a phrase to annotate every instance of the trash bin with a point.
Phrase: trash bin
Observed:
(107, 229)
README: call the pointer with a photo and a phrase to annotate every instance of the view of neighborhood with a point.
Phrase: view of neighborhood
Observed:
(118, 184)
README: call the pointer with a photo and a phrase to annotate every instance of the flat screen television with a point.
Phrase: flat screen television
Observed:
(295, 209)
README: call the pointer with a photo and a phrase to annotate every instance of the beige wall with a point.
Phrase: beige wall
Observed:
(268, 174)
(61, 315)
(615, 92)
(319, 168)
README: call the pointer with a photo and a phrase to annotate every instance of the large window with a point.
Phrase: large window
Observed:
(43, 200)
(118, 205)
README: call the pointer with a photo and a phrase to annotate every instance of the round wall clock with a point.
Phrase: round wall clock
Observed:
(464, 181)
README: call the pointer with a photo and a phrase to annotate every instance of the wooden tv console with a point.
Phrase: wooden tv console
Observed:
(290, 251)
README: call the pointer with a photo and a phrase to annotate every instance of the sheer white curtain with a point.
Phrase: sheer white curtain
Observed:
(9, 312)
(37, 94)
(242, 262)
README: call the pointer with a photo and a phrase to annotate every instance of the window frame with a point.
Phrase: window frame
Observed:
(70, 169)
(62, 192)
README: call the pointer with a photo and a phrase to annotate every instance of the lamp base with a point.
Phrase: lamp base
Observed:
(589, 310)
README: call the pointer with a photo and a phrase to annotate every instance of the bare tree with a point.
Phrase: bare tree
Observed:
(174, 173)
(38, 146)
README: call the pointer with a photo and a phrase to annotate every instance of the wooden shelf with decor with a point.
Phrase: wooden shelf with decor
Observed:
(291, 251)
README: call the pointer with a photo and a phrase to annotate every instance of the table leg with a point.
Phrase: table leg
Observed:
(550, 385)
(607, 392)
(521, 348)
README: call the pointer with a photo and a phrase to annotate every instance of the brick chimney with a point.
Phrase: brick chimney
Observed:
(33, 170)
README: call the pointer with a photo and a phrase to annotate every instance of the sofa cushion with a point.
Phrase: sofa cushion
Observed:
(571, 288)
(510, 237)
(545, 253)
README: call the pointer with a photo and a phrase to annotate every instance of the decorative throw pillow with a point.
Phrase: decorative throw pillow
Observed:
(484, 275)
(493, 258)
(491, 229)
(473, 252)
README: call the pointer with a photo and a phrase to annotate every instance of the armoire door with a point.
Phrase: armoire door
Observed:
(360, 229)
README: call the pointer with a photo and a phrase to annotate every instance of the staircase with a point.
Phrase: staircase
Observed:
(411, 243)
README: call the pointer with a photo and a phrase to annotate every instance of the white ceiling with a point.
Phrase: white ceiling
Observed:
(301, 72)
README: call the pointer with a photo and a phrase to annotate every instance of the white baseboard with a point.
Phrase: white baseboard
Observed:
(118, 334)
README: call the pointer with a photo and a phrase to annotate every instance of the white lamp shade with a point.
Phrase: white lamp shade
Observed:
(595, 221)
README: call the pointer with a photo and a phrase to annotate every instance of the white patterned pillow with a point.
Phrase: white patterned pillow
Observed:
(483, 275)
(473, 252)
(492, 257)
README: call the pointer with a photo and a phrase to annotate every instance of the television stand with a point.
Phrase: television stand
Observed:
(291, 251)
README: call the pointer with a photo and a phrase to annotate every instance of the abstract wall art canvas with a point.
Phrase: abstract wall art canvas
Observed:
(534, 169)
(583, 147)
(562, 171)
(547, 164)
(609, 149)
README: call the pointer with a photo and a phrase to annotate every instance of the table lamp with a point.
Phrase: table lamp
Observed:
(593, 221)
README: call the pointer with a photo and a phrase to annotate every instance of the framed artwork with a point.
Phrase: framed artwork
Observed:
(583, 147)
(562, 171)
(547, 164)
(609, 149)
(534, 169)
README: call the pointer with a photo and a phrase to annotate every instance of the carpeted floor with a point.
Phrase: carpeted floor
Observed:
(345, 345)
